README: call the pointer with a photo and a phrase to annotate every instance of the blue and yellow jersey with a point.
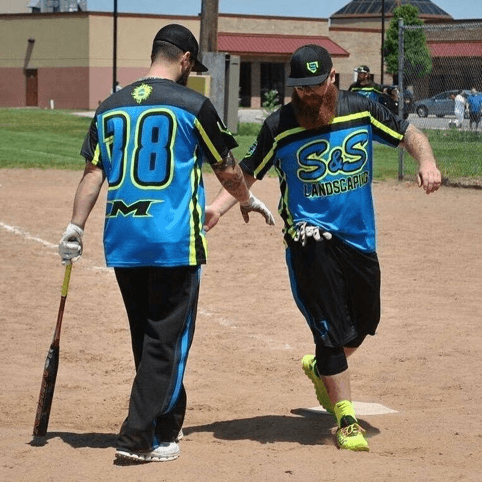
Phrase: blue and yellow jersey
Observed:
(151, 139)
(325, 175)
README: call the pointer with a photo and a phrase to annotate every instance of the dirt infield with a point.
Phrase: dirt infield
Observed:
(247, 416)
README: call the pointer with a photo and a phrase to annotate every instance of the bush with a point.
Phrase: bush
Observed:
(248, 129)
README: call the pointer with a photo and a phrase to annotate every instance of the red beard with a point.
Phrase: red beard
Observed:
(315, 111)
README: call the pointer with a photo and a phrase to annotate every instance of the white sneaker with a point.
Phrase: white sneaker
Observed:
(164, 452)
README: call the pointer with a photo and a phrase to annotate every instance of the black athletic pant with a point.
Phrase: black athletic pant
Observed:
(161, 305)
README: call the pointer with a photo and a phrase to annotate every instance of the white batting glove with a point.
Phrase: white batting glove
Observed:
(255, 205)
(304, 231)
(70, 246)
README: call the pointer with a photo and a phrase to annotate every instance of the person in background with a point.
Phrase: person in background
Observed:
(474, 102)
(365, 84)
(459, 109)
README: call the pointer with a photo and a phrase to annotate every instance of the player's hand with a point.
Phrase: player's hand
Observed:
(255, 205)
(430, 178)
(70, 246)
(211, 218)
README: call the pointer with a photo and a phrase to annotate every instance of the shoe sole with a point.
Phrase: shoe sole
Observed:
(321, 395)
(360, 448)
(135, 458)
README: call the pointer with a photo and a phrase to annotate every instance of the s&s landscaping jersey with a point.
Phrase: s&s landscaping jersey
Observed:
(150, 139)
(325, 174)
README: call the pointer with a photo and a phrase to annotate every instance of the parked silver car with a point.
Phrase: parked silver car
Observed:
(439, 105)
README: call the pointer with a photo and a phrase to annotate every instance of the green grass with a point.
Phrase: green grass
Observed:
(51, 139)
(32, 138)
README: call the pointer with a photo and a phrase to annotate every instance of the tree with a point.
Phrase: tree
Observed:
(417, 60)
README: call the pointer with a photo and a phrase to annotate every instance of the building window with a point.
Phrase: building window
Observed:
(245, 84)
(273, 78)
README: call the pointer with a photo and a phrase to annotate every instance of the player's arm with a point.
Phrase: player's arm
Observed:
(234, 181)
(87, 193)
(418, 146)
(70, 246)
(222, 204)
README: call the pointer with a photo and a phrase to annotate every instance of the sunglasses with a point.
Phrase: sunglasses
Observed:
(307, 88)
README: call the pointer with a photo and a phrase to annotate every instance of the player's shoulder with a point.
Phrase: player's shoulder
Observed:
(281, 120)
(350, 102)
(155, 91)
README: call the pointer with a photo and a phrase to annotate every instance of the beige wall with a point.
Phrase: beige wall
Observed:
(272, 25)
(134, 38)
(134, 42)
(61, 58)
(75, 48)
(77, 41)
(364, 48)
(55, 44)
(14, 6)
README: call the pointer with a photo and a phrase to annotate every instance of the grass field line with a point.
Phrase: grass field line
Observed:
(30, 151)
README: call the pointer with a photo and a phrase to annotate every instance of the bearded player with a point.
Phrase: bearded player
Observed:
(321, 147)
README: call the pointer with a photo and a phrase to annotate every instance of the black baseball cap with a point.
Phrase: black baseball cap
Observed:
(183, 38)
(310, 65)
(363, 69)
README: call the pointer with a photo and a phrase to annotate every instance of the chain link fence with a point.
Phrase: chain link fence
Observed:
(452, 125)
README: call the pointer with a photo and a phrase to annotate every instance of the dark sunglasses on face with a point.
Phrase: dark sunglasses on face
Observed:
(306, 88)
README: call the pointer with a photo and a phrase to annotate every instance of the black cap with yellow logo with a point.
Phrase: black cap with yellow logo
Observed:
(310, 65)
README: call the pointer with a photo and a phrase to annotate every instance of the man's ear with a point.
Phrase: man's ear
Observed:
(332, 76)
(186, 57)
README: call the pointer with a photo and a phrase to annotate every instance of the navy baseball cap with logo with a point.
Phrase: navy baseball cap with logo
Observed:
(363, 69)
(310, 65)
(182, 38)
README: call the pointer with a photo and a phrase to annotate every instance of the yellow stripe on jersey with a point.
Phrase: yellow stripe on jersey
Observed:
(375, 122)
(194, 207)
(207, 140)
(96, 159)
(270, 154)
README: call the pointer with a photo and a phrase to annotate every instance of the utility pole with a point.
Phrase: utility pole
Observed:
(114, 60)
(209, 26)
(383, 40)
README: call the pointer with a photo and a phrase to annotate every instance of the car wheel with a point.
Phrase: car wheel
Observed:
(422, 111)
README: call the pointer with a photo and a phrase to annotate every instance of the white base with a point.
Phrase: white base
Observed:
(362, 408)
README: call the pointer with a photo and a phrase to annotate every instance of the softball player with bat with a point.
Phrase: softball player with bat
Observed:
(149, 141)
(320, 145)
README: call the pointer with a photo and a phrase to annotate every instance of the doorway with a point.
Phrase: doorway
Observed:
(32, 87)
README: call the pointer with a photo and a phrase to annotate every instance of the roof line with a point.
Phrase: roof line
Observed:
(278, 17)
(272, 35)
(387, 14)
(355, 29)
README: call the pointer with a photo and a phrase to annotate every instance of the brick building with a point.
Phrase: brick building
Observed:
(67, 57)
